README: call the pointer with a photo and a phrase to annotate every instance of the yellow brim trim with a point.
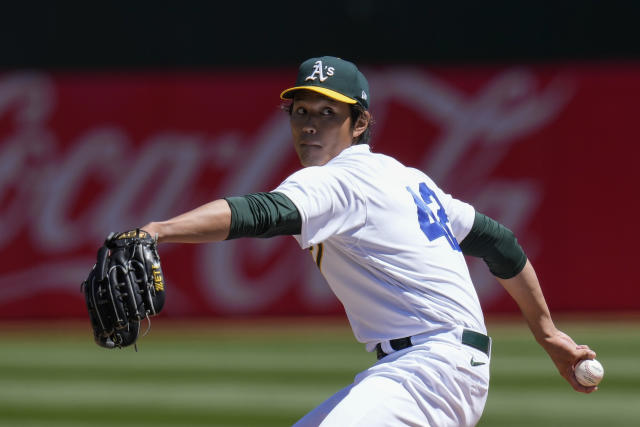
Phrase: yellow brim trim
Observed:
(326, 92)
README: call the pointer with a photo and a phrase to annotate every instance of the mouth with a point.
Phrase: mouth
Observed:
(309, 144)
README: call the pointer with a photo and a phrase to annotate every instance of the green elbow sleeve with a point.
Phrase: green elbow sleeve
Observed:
(496, 245)
(263, 215)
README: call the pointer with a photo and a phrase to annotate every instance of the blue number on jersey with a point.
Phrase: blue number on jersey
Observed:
(433, 226)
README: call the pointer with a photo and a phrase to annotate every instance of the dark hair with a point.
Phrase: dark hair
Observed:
(356, 111)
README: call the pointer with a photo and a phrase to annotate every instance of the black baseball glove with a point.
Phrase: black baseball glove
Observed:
(125, 286)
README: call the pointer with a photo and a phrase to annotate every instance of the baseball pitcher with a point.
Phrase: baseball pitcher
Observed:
(390, 244)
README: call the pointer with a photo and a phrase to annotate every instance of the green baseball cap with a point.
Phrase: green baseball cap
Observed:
(333, 77)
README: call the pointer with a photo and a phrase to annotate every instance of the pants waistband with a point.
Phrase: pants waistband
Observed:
(471, 338)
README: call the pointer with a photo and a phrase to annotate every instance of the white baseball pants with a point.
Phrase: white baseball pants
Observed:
(438, 383)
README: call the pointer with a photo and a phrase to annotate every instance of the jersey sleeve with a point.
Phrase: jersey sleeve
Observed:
(328, 201)
(461, 216)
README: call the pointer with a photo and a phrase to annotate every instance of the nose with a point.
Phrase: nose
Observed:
(309, 125)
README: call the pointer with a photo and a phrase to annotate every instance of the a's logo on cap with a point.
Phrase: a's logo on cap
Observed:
(364, 95)
(318, 70)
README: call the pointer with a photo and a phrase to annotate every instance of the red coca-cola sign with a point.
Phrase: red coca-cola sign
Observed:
(548, 151)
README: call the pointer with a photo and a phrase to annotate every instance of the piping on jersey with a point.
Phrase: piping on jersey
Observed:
(318, 257)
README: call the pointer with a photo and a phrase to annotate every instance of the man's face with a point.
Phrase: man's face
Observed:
(321, 127)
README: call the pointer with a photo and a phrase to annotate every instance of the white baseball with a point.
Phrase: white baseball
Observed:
(589, 372)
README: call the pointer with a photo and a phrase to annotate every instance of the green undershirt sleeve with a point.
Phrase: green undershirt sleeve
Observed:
(496, 245)
(263, 215)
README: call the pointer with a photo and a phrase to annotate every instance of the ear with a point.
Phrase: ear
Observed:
(361, 124)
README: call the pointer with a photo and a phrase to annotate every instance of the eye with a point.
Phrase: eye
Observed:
(300, 110)
(327, 111)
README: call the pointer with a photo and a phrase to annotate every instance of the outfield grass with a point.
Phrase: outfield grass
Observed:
(527, 391)
(271, 373)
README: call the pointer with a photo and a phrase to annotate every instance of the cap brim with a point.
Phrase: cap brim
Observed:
(288, 94)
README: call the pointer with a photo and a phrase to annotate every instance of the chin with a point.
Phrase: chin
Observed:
(308, 158)
(311, 162)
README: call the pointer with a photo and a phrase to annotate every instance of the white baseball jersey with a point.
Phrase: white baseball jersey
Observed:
(385, 237)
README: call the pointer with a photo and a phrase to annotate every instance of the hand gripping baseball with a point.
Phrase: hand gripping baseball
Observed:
(124, 286)
(566, 354)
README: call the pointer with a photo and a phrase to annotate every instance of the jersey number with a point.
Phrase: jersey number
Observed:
(433, 226)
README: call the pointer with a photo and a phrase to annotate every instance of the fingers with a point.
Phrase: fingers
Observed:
(579, 387)
(580, 352)
(584, 352)
(569, 375)
(566, 354)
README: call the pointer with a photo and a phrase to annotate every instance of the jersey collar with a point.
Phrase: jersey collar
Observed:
(359, 148)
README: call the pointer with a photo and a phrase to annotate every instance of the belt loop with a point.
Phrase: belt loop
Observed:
(477, 340)
(401, 343)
